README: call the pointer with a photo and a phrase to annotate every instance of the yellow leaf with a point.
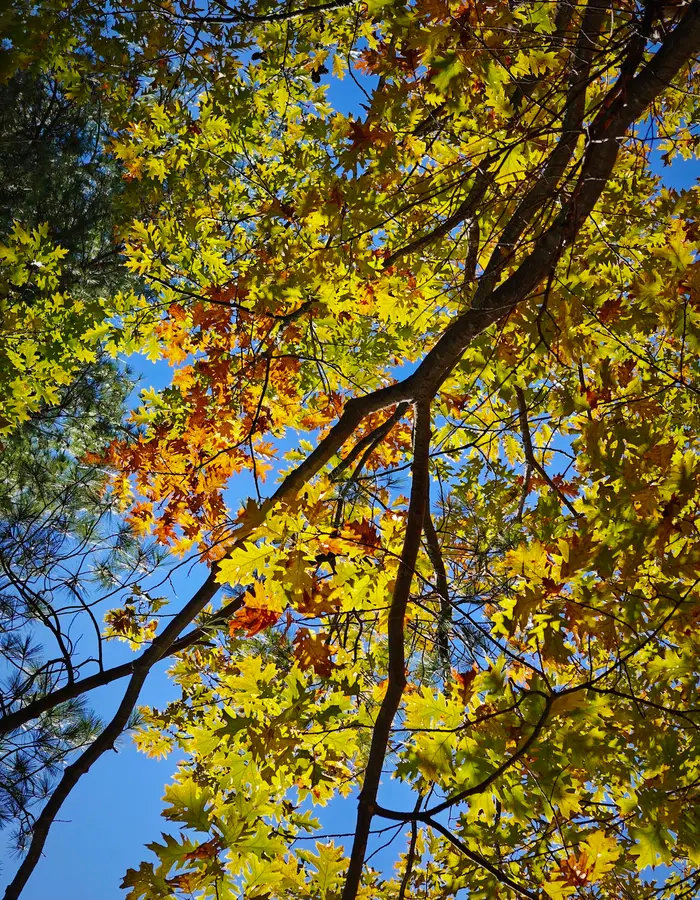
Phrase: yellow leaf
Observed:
(243, 562)
(529, 560)
(264, 596)
(559, 889)
(602, 852)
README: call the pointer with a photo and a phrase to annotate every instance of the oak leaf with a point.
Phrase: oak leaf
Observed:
(312, 652)
(252, 621)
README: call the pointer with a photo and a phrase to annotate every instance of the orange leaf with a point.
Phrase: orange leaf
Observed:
(252, 621)
(464, 684)
(315, 600)
(188, 881)
(576, 869)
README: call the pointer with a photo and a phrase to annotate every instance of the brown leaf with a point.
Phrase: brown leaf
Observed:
(610, 311)
(312, 652)
(187, 881)
(122, 621)
(365, 135)
(551, 587)
(464, 680)
(625, 371)
(660, 454)
(315, 600)
(576, 869)
(204, 851)
(363, 532)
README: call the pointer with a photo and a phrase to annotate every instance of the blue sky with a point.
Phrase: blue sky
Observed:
(115, 809)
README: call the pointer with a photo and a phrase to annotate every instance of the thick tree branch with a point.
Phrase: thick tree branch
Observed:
(547, 185)
(396, 674)
(607, 130)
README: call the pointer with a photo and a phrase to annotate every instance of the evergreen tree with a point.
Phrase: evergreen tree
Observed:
(53, 169)
(62, 547)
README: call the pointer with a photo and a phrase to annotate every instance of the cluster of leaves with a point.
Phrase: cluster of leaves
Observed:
(259, 726)
(308, 268)
(47, 335)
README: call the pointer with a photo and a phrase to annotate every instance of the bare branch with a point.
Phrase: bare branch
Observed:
(105, 740)
(532, 462)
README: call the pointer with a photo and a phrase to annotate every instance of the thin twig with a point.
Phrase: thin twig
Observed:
(532, 462)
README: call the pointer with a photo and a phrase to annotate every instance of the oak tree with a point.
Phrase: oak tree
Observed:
(449, 344)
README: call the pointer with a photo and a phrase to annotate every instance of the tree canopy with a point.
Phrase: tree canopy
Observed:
(447, 346)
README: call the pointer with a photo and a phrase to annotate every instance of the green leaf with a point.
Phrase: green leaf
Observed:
(189, 803)
(652, 845)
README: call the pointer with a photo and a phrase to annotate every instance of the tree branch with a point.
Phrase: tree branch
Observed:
(236, 16)
(481, 861)
(532, 462)
(105, 740)
(14, 720)
(479, 788)
(466, 210)
(442, 584)
(369, 440)
(410, 859)
(396, 674)
(504, 766)
(605, 133)
(546, 186)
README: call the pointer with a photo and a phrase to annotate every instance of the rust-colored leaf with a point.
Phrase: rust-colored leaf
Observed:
(363, 532)
(207, 850)
(463, 681)
(312, 652)
(252, 621)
